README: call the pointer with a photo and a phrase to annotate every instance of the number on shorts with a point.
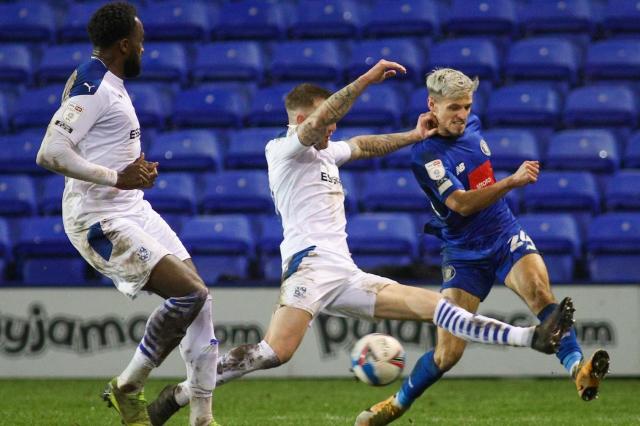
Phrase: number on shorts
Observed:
(521, 239)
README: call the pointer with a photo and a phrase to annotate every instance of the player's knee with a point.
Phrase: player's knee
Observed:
(447, 356)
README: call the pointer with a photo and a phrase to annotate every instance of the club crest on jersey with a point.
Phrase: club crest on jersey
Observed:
(448, 272)
(435, 169)
(143, 254)
(485, 148)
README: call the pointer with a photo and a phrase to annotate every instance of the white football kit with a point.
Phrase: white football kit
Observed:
(318, 271)
(116, 231)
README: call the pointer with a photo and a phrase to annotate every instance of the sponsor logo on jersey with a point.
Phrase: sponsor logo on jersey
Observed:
(435, 169)
(72, 113)
(481, 176)
(448, 272)
(444, 184)
(64, 126)
(88, 86)
(485, 148)
(324, 176)
(459, 168)
(143, 254)
(134, 133)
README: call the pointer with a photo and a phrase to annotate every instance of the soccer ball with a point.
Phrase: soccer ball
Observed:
(377, 359)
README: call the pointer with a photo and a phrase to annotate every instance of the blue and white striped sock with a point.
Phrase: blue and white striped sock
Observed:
(477, 328)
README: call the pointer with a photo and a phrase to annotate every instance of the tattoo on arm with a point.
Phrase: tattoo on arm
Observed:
(379, 145)
(314, 128)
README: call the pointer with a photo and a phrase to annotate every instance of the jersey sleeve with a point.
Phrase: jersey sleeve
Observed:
(434, 174)
(286, 147)
(341, 152)
(77, 115)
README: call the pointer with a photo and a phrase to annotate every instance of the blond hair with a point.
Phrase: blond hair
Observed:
(449, 83)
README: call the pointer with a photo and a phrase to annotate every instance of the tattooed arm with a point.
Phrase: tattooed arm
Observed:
(314, 129)
(379, 145)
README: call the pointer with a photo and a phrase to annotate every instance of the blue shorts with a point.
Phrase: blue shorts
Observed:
(475, 271)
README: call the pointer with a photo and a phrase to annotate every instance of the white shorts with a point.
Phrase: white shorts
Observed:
(126, 249)
(333, 284)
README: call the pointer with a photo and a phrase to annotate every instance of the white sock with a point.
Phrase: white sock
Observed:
(478, 328)
(132, 379)
(182, 394)
(245, 359)
(201, 412)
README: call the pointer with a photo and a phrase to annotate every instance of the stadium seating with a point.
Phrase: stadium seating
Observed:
(27, 21)
(152, 105)
(306, 60)
(322, 19)
(557, 16)
(54, 271)
(473, 56)
(74, 25)
(623, 191)
(35, 107)
(621, 17)
(4, 114)
(42, 237)
(187, 150)
(563, 191)
(391, 190)
(601, 105)
(246, 148)
(268, 246)
(366, 53)
(17, 196)
(486, 17)
(267, 106)
(231, 60)
(510, 147)
(173, 193)
(175, 20)
(350, 185)
(235, 192)
(15, 63)
(58, 62)
(595, 150)
(514, 196)
(249, 19)
(632, 153)
(390, 18)
(378, 106)
(613, 59)
(50, 195)
(19, 151)
(557, 238)
(164, 62)
(210, 105)
(524, 104)
(614, 247)
(543, 58)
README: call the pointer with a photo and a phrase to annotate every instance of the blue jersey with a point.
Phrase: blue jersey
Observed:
(444, 165)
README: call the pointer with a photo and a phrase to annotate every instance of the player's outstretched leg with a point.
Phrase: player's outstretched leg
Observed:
(130, 406)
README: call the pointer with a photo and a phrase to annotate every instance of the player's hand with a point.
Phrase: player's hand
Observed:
(427, 125)
(382, 70)
(137, 175)
(527, 173)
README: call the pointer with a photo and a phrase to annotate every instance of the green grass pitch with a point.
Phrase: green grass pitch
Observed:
(337, 402)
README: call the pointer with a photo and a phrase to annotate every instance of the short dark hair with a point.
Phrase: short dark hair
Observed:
(110, 23)
(304, 95)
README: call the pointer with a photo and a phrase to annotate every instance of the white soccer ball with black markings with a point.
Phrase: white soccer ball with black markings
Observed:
(377, 359)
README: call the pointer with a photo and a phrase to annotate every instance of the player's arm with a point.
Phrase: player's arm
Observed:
(58, 155)
(472, 201)
(380, 145)
(313, 130)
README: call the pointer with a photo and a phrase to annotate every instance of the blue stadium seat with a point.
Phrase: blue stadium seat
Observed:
(543, 58)
(175, 20)
(164, 62)
(42, 237)
(557, 238)
(376, 239)
(622, 191)
(17, 196)
(267, 106)
(614, 248)
(306, 60)
(246, 148)
(27, 21)
(209, 106)
(5, 242)
(322, 19)
(250, 19)
(557, 16)
(621, 17)
(473, 56)
(232, 60)
(613, 59)
(4, 113)
(15, 64)
(563, 191)
(153, 105)
(351, 189)
(35, 107)
(510, 147)
(632, 152)
(485, 17)
(58, 62)
(235, 192)
(56, 271)
(346, 133)
(601, 105)
(392, 190)
(19, 152)
(595, 150)
(172, 193)
(366, 53)
(219, 269)
(187, 150)
(401, 18)
(50, 195)
(74, 24)
(379, 105)
(524, 104)
(268, 245)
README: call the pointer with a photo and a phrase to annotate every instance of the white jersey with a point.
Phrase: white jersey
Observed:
(307, 192)
(97, 115)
